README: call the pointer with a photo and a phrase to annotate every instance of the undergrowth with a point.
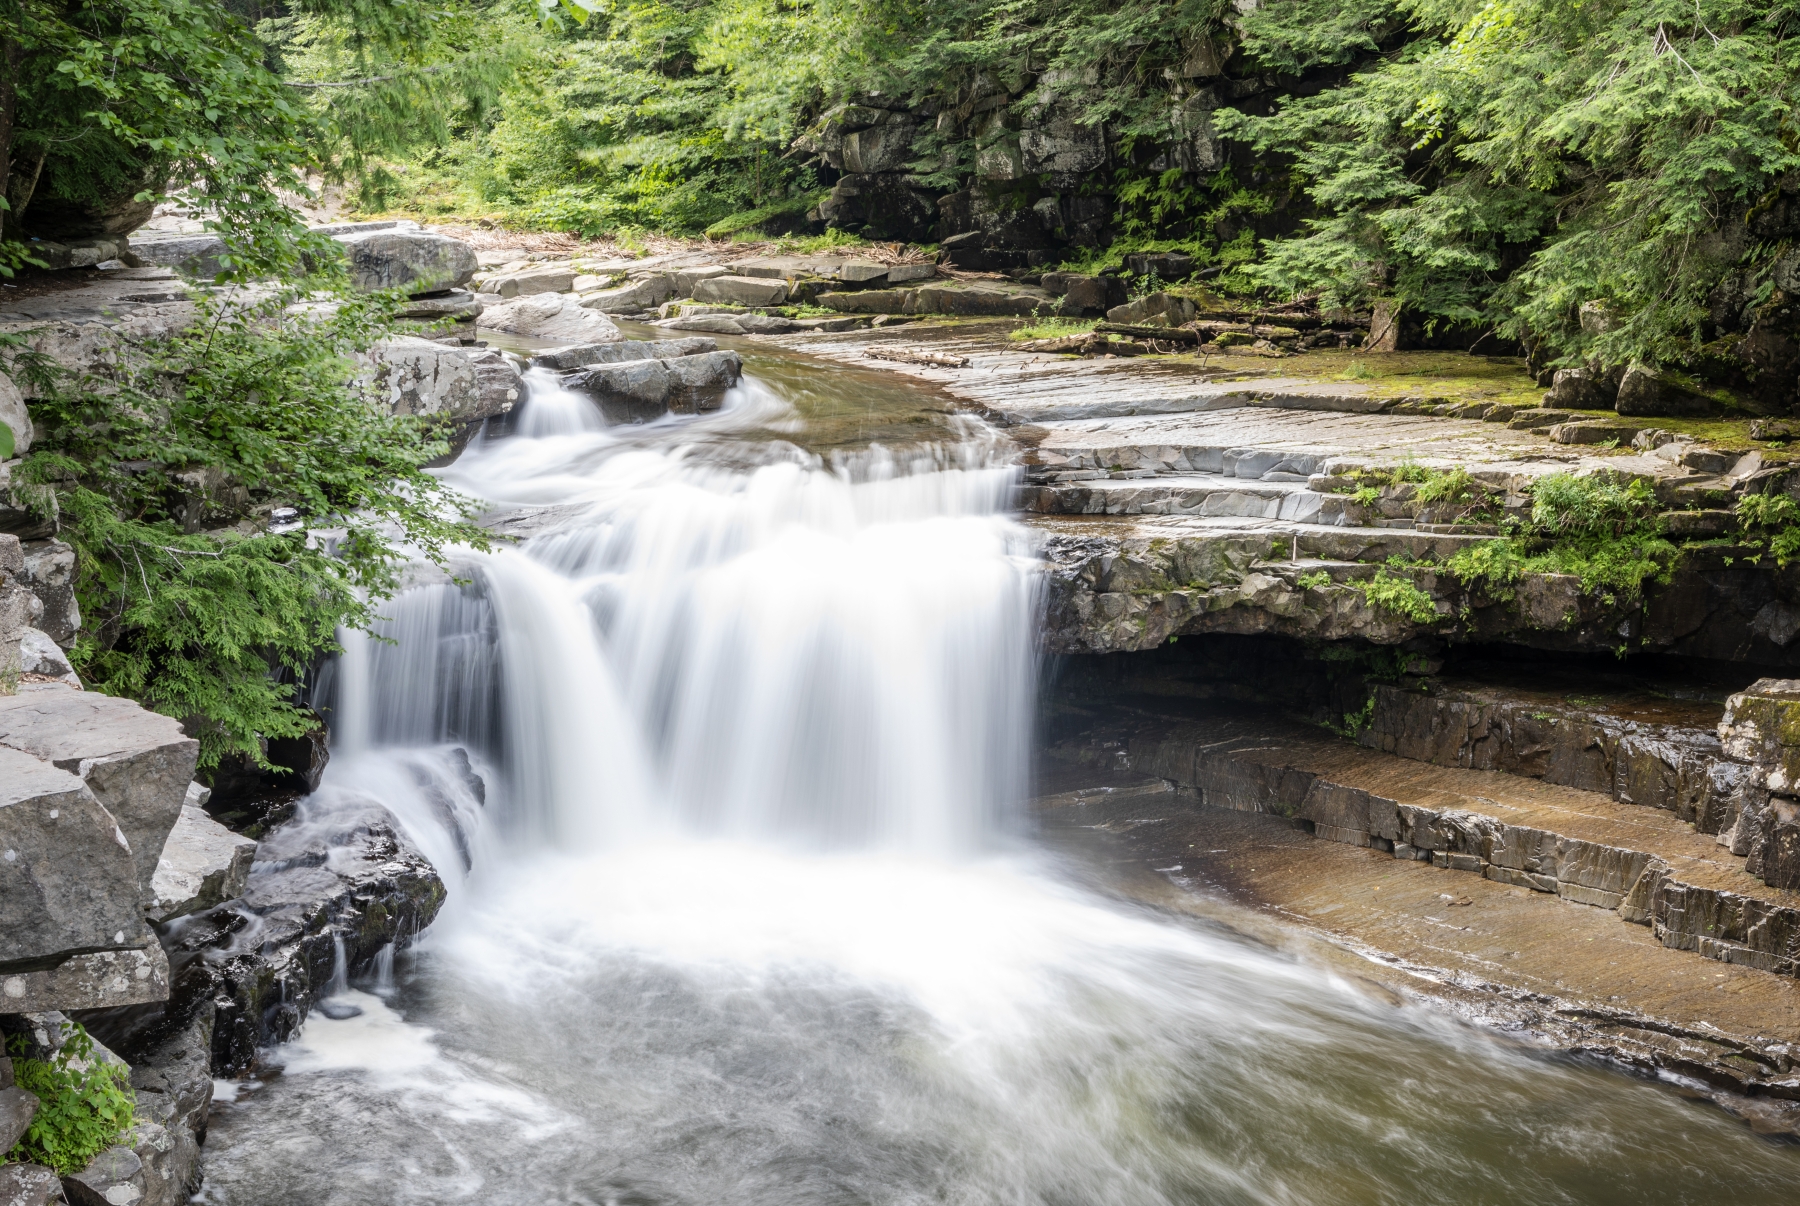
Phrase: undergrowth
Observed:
(1398, 596)
(1052, 328)
(84, 1105)
(1604, 531)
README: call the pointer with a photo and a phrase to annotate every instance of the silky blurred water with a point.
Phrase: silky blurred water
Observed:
(749, 914)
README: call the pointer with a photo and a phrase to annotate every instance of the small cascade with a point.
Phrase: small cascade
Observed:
(551, 410)
(384, 971)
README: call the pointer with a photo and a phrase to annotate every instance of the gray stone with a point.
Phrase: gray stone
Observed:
(766, 324)
(424, 377)
(137, 763)
(1643, 391)
(174, 1091)
(1062, 146)
(698, 383)
(687, 278)
(973, 303)
(883, 148)
(49, 573)
(459, 304)
(1156, 310)
(15, 416)
(410, 259)
(67, 883)
(585, 354)
(30, 1185)
(861, 271)
(192, 255)
(551, 316)
(335, 229)
(528, 282)
(716, 324)
(634, 298)
(901, 273)
(741, 291)
(113, 1178)
(17, 1108)
(1582, 389)
(203, 864)
(631, 392)
(39, 655)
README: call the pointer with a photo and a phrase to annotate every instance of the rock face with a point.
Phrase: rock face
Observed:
(564, 359)
(14, 415)
(551, 316)
(741, 291)
(195, 255)
(47, 570)
(415, 260)
(29, 1185)
(424, 377)
(138, 764)
(634, 298)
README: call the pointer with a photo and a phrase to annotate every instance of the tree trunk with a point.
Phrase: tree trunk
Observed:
(12, 57)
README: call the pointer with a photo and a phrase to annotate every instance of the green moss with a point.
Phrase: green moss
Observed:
(1052, 328)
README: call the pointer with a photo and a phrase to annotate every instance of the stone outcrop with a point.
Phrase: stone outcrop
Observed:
(583, 355)
(203, 864)
(30, 1185)
(466, 386)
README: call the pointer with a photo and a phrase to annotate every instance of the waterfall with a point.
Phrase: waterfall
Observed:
(831, 650)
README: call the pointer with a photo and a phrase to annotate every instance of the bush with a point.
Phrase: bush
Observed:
(84, 1105)
(1603, 531)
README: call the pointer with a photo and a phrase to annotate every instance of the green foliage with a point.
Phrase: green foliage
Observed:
(1316, 580)
(1771, 521)
(84, 1105)
(1507, 161)
(1604, 531)
(1355, 723)
(192, 605)
(1398, 595)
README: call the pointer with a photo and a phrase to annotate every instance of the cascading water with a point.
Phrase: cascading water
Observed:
(745, 916)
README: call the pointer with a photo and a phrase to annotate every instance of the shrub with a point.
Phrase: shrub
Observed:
(84, 1105)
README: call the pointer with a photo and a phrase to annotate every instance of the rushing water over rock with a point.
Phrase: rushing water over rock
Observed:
(743, 913)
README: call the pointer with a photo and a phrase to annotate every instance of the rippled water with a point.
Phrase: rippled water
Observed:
(750, 915)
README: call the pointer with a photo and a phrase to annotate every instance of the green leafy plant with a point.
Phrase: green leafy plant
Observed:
(1771, 521)
(1355, 723)
(1313, 581)
(163, 482)
(84, 1104)
(1399, 596)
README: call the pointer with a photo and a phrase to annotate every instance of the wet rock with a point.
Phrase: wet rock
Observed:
(699, 382)
(741, 291)
(551, 316)
(348, 878)
(564, 359)
(136, 763)
(30, 1185)
(1643, 391)
(203, 864)
(639, 390)
(415, 260)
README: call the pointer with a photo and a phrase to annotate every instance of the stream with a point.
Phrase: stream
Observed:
(750, 909)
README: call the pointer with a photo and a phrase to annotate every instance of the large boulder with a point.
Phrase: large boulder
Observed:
(1158, 310)
(424, 377)
(529, 282)
(30, 1185)
(194, 255)
(1643, 391)
(552, 316)
(883, 206)
(1583, 389)
(639, 390)
(137, 763)
(415, 260)
(72, 932)
(564, 359)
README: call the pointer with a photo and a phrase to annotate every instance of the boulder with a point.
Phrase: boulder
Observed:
(868, 301)
(203, 864)
(1582, 389)
(415, 260)
(1643, 391)
(716, 324)
(902, 273)
(861, 272)
(1156, 310)
(113, 1178)
(1084, 295)
(698, 383)
(136, 763)
(172, 1074)
(48, 573)
(634, 298)
(417, 376)
(528, 282)
(881, 148)
(564, 359)
(741, 291)
(1166, 265)
(638, 390)
(30, 1185)
(1062, 146)
(550, 316)
(68, 886)
(193, 255)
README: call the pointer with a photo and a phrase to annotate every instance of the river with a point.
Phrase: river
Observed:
(752, 910)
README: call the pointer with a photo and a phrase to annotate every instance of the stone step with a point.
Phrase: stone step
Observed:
(1643, 863)
(1200, 494)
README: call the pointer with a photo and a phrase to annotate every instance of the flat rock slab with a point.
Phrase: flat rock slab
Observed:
(203, 864)
(553, 316)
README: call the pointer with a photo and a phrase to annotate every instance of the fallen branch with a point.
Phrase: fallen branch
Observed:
(929, 359)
